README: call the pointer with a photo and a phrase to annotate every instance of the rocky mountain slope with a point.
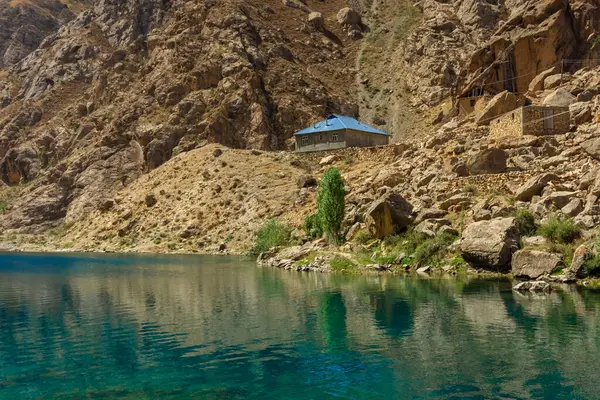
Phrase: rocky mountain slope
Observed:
(108, 129)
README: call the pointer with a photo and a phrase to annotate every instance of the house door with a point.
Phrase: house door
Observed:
(549, 120)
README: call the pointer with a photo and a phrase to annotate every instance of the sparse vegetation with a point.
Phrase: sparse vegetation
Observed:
(433, 250)
(342, 264)
(592, 264)
(272, 234)
(561, 230)
(525, 223)
(3, 205)
(312, 226)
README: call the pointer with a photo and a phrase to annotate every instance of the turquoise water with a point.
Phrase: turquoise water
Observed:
(141, 327)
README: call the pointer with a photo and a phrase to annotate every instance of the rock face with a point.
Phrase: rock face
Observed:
(388, 215)
(534, 264)
(490, 244)
(560, 98)
(24, 25)
(490, 161)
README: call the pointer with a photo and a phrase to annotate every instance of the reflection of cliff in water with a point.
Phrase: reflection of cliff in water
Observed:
(179, 316)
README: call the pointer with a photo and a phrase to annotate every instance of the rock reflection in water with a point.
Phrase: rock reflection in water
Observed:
(205, 327)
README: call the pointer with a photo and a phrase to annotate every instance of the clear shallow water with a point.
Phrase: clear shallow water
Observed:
(133, 327)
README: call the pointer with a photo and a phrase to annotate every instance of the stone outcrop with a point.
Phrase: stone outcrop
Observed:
(490, 244)
(500, 104)
(560, 98)
(388, 215)
(490, 161)
(534, 186)
(534, 264)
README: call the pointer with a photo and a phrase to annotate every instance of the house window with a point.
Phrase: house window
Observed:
(548, 119)
(304, 140)
(473, 102)
(335, 137)
(320, 138)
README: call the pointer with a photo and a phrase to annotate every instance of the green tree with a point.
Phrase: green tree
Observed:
(331, 203)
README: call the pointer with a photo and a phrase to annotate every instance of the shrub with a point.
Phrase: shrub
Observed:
(342, 264)
(433, 250)
(363, 237)
(560, 230)
(330, 202)
(272, 234)
(525, 223)
(312, 226)
(592, 264)
(3, 205)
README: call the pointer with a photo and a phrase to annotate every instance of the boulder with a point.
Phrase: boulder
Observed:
(592, 147)
(559, 98)
(534, 186)
(573, 208)
(348, 17)
(580, 113)
(150, 200)
(328, 160)
(533, 286)
(388, 215)
(316, 20)
(458, 199)
(558, 199)
(500, 104)
(576, 269)
(553, 81)
(533, 264)
(538, 82)
(490, 244)
(490, 161)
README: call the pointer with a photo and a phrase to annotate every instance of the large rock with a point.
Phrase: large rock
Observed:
(580, 112)
(592, 147)
(316, 20)
(577, 268)
(348, 17)
(388, 215)
(538, 82)
(500, 104)
(490, 244)
(533, 264)
(560, 98)
(534, 186)
(490, 161)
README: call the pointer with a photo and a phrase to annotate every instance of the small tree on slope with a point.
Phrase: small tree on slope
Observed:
(330, 203)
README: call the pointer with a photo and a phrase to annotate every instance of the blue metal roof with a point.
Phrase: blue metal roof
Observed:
(338, 122)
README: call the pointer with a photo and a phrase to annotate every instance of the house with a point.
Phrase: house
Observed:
(532, 120)
(338, 132)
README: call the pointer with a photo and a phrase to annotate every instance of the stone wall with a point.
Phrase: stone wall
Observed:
(321, 141)
(468, 105)
(534, 119)
(509, 124)
(364, 139)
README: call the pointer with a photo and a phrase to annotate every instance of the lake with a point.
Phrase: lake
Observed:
(198, 327)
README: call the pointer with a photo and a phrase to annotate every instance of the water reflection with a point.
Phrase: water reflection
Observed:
(219, 328)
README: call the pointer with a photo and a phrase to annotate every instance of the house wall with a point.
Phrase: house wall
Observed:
(510, 124)
(321, 141)
(364, 139)
(533, 121)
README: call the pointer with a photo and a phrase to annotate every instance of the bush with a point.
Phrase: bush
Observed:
(342, 264)
(331, 203)
(3, 205)
(433, 250)
(363, 237)
(312, 226)
(272, 234)
(560, 230)
(525, 223)
(592, 264)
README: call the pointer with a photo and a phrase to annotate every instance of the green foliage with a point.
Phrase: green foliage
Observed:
(342, 264)
(363, 237)
(525, 223)
(312, 226)
(565, 249)
(433, 250)
(3, 205)
(330, 203)
(592, 264)
(272, 234)
(560, 230)
(406, 242)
